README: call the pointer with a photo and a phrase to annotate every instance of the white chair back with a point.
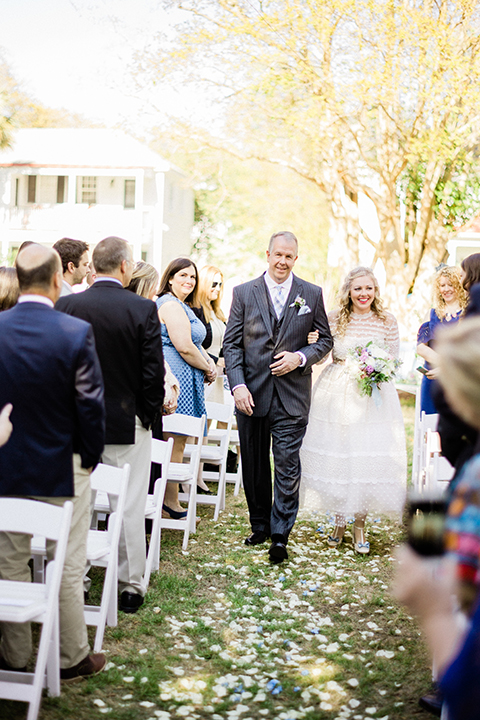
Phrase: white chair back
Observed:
(22, 602)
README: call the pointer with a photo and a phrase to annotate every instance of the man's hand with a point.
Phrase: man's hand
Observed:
(433, 373)
(286, 362)
(243, 400)
(5, 424)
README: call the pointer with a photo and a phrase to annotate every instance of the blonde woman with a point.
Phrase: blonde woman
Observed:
(449, 301)
(209, 299)
(145, 281)
(353, 455)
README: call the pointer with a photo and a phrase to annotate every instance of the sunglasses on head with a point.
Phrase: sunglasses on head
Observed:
(216, 284)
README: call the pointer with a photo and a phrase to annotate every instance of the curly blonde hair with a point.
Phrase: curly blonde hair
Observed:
(345, 308)
(452, 274)
(205, 280)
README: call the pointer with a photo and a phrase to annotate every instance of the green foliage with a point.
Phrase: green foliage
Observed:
(356, 97)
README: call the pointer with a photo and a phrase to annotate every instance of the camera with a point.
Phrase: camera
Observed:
(426, 524)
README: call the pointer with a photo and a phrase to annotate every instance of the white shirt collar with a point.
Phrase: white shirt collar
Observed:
(105, 279)
(35, 298)
(67, 287)
(271, 284)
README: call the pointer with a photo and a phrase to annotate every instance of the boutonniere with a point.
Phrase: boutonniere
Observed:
(301, 305)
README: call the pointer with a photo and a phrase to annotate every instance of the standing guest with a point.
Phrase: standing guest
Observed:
(428, 593)
(129, 345)
(145, 281)
(182, 334)
(470, 271)
(9, 290)
(269, 366)
(354, 454)
(209, 298)
(49, 372)
(75, 263)
(449, 301)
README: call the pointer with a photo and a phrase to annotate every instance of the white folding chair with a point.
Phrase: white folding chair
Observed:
(439, 470)
(22, 602)
(215, 453)
(185, 473)
(234, 477)
(428, 425)
(417, 441)
(102, 546)
(107, 483)
(161, 454)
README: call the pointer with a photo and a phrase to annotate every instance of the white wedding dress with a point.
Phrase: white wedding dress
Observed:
(354, 454)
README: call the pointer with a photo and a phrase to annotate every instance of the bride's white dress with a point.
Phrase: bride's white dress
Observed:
(354, 455)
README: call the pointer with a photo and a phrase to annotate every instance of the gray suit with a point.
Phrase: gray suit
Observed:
(282, 403)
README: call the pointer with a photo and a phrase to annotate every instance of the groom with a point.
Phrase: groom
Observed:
(269, 365)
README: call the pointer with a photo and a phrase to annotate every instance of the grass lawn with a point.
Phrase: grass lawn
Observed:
(225, 635)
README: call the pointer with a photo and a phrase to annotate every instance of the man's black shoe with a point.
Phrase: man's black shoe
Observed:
(432, 703)
(278, 552)
(130, 602)
(256, 538)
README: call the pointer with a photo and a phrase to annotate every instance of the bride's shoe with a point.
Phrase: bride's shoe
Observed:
(337, 537)
(361, 546)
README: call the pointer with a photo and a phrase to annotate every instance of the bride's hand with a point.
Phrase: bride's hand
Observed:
(312, 337)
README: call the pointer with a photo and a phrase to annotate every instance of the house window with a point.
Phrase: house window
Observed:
(61, 189)
(17, 190)
(46, 193)
(32, 188)
(89, 190)
(129, 198)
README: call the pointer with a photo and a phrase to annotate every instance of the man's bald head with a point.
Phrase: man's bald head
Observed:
(36, 267)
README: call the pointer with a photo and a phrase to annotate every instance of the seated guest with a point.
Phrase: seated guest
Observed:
(9, 289)
(429, 594)
(51, 375)
(75, 262)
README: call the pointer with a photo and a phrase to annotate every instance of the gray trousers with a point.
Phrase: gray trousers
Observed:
(16, 641)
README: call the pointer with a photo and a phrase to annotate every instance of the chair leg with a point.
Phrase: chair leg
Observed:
(53, 660)
(238, 482)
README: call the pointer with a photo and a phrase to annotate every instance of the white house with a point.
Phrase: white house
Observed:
(465, 242)
(87, 184)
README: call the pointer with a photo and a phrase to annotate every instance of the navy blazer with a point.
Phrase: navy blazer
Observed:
(49, 371)
(251, 341)
(129, 345)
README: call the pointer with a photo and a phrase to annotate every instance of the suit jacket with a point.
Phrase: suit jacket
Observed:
(50, 372)
(254, 336)
(129, 346)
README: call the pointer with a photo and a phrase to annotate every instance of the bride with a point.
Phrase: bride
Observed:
(353, 455)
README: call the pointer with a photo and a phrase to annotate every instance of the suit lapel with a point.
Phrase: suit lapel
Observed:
(289, 312)
(260, 294)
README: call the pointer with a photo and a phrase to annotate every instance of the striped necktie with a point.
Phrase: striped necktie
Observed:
(278, 300)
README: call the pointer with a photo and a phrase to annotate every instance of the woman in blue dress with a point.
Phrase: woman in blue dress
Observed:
(449, 303)
(182, 336)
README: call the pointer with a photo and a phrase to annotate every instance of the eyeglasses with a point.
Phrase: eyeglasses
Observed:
(215, 284)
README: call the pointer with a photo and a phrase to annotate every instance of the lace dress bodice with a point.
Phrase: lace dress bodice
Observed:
(362, 329)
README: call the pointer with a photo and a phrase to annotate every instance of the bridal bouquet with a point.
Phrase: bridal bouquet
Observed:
(371, 365)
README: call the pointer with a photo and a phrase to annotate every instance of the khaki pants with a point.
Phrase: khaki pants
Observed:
(16, 641)
(132, 549)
